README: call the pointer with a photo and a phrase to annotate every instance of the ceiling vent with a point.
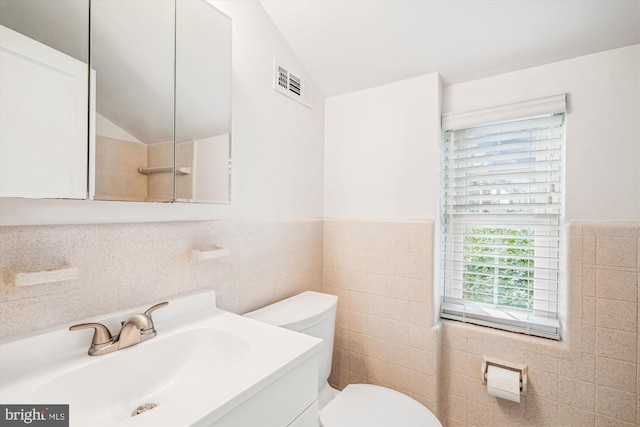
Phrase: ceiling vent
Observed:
(290, 84)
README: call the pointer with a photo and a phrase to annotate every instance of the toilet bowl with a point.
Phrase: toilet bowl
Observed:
(363, 405)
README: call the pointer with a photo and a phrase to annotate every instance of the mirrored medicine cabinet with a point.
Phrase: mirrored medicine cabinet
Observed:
(125, 100)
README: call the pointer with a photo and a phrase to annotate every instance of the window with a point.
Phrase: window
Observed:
(501, 209)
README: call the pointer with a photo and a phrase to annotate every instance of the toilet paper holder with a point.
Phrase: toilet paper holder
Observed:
(517, 367)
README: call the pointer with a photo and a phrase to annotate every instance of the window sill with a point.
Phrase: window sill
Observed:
(513, 321)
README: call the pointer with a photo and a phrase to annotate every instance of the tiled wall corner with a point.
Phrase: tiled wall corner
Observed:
(185, 154)
(117, 163)
(382, 273)
(125, 265)
(160, 185)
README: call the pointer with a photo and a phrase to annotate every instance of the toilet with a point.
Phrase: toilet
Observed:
(314, 314)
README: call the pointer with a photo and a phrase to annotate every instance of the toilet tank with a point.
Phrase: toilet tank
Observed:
(310, 313)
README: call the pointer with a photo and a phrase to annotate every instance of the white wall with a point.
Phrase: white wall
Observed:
(277, 146)
(603, 125)
(381, 151)
(211, 161)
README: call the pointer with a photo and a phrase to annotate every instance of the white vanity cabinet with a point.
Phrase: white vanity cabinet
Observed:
(290, 400)
(44, 120)
(205, 367)
(308, 418)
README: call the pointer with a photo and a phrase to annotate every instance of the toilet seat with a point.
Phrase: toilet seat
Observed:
(371, 405)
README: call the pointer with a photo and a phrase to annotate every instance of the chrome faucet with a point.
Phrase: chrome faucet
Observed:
(136, 329)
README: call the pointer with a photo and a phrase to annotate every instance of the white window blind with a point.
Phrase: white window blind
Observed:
(502, 203)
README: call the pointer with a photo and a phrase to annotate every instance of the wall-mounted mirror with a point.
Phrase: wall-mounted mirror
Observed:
(163, 100)
(132, 63)
(44, 59)
(203, 103)
(154, 119)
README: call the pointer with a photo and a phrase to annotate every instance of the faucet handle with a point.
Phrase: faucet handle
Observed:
(154, 308)
(144, 322)
(101, 334)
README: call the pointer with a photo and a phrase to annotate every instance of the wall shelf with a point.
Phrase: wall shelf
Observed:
(59, 273)
(163, 169)
(211, 253)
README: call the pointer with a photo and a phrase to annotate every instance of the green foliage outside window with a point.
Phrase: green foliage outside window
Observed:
(498, 267)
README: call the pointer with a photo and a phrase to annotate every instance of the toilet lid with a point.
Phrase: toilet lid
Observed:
(371, 405)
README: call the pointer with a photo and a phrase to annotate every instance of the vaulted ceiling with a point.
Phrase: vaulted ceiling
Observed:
(347, 45)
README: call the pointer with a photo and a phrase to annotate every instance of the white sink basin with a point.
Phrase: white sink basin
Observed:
(203, 363)
(153, 373)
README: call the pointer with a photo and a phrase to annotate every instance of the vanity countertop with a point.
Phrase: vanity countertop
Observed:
(203, 363)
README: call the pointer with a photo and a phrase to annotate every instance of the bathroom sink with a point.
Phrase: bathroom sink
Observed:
(112, 387)
(203, 363)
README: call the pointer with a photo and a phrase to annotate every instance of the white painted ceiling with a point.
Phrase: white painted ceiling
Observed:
(348, 45)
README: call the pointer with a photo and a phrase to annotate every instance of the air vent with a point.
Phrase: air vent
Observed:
(283, 77)
(290, 84)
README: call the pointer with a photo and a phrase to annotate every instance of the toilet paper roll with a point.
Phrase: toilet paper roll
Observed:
(503, 383)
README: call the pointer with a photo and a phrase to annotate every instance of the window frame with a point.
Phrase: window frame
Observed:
(456, 307)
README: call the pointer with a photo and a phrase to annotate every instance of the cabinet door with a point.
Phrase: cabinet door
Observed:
(43, 120)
